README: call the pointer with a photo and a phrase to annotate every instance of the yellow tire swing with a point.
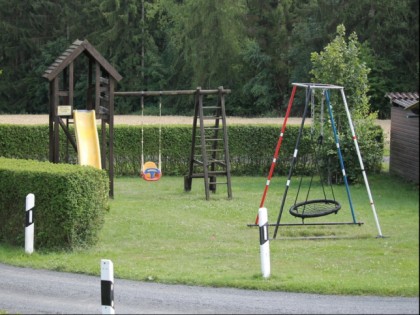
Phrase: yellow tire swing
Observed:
(149, 170)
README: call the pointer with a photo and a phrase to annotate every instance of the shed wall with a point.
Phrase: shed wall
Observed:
(404, 146)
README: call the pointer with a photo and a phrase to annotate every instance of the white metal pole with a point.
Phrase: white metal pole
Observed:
(107, 286)
(264, 242)
(29, 223)
(356, 144)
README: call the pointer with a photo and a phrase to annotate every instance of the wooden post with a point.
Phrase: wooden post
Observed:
(56, 97)
(111, 137)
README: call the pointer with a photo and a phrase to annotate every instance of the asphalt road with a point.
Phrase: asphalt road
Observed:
(30, 291)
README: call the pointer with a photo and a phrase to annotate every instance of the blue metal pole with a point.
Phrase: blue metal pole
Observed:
(327, 98)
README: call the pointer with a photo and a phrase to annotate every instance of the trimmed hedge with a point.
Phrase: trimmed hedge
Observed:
(70, 203)
(251, 149)
(24, 142)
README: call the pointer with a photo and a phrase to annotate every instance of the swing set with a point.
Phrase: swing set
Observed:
(209, 154)
(306, 207)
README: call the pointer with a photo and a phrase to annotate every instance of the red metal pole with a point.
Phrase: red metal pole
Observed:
(277, 151)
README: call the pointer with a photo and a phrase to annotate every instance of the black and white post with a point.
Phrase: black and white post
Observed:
(107, 286)
(264, 242)
(29, 223)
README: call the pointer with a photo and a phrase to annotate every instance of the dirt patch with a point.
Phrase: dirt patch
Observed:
(175, 120)
(147, 120)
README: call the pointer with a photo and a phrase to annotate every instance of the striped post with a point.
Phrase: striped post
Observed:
(29, 223)
(264, 242)
(277, 151)
(107, 286)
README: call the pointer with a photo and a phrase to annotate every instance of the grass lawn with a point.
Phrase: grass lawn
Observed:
(157, 232)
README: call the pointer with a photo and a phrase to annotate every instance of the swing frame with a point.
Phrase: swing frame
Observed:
(198, 93)
(309, 91)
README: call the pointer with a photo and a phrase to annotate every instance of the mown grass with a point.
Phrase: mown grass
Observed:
(157, 232)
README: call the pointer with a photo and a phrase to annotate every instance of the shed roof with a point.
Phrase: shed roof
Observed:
(74, 50)
(407, 100)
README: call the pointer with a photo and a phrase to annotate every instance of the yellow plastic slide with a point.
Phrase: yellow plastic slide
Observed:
(88, 151)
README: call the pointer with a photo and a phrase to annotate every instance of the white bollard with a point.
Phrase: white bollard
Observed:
(264, 242)
(107, 286)
(29, 223)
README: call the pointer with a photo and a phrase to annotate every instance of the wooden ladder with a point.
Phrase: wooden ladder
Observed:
(209, 156)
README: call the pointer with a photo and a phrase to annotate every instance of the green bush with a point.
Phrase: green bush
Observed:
(371, 147)
(70, 202)
(251, 149)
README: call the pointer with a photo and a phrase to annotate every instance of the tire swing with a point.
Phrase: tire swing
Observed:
(149, 170)
(315, 207)
(309, 208)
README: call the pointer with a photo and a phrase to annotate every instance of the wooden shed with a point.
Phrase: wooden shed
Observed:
(100, 81)
(404, 146)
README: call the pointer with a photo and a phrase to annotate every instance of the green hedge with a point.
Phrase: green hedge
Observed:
(251, 148)
(70, 202)
(24, 142)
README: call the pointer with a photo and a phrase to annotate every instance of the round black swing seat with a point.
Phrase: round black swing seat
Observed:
(314, 208)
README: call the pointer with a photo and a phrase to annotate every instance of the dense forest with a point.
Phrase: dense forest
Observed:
(256, 48)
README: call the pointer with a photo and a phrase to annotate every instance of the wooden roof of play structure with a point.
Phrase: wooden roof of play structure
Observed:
(75, 49)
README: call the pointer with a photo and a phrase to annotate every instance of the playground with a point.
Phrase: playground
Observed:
(157, 232)
(162, 229)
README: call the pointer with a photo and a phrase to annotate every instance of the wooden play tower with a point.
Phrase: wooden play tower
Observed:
(101, 82)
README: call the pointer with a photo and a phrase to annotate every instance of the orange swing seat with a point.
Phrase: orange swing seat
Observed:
(151, 172)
